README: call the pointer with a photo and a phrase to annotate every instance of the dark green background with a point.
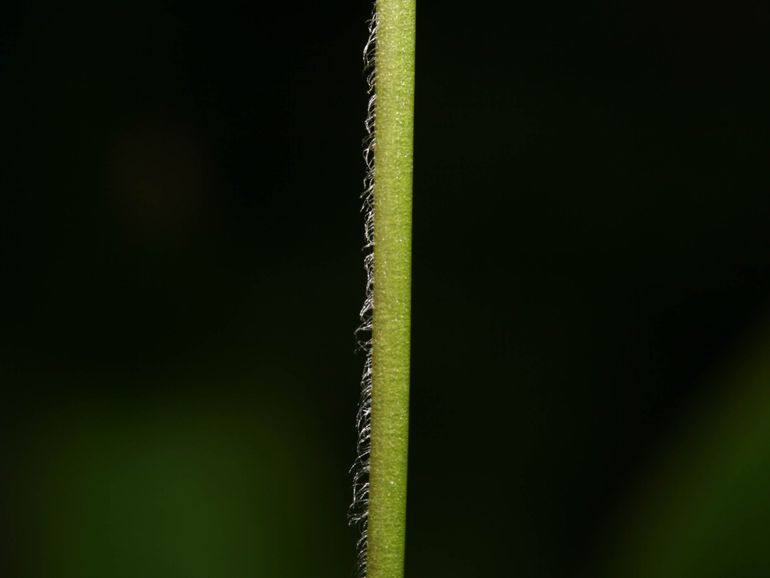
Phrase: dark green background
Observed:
(181, 275)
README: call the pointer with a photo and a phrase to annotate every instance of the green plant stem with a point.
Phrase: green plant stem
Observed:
(394, 89)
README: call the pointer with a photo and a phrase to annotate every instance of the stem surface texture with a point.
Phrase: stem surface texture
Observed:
(394, 89)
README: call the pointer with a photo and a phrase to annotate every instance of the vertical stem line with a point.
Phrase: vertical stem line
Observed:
(394, 62)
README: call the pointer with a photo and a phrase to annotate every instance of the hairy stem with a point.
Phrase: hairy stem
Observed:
(394, 88)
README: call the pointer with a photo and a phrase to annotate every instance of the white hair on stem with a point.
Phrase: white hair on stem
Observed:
(359, 508)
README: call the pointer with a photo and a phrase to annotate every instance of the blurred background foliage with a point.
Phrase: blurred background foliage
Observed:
(180, 242)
